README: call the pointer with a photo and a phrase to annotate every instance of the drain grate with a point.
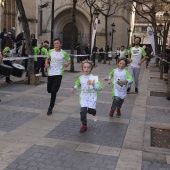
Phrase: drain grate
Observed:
(160, 137)
(158, 94)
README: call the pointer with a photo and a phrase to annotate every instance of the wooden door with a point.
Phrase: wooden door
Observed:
(67, 36)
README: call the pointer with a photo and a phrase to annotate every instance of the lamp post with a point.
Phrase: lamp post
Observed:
(166, 17)
(164, 34)
(73, 36)
(113, 30)
(94, 49)
(160, 28)
(128, 32)
(41, 16)
(52, 23)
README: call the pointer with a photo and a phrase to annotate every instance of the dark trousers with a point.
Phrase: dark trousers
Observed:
(53, 86)
(9, 63)
(83, 114)
(117, 103)
(42, 67)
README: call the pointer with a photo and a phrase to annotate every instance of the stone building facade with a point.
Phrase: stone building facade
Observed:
(122, 19)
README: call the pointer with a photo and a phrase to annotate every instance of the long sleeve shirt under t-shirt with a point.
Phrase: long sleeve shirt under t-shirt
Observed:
(88, 94)
(118, 88)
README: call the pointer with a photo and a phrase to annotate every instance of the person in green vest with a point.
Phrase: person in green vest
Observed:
(36, 52)
(7, 53)
(44, 51)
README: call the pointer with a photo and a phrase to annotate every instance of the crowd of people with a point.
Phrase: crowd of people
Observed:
(12, 45)
(58, 59)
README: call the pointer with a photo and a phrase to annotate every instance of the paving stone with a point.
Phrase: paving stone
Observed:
(147, 165)
(66, 159)
(100, 133)
(158, 115)
(65, 92)
(35, 102)
(157, 101)
(154, 157)
(10, 119)
(16, 87)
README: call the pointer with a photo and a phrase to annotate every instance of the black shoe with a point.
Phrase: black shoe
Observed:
(136, 90)
(9, 81)
(168, 98)
(128, 89)
(49, 112)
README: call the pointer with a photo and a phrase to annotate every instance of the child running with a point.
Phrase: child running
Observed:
(89, 92)
(120, 78)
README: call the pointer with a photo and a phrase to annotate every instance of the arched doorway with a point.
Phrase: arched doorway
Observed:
(67, 35)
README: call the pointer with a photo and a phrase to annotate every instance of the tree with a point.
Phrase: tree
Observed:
(26, 29)
(90, 4)
(107, 8)
(148, 10)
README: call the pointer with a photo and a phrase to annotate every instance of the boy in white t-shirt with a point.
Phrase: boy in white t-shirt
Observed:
(89, 92)
(119, 77)
(56, 60)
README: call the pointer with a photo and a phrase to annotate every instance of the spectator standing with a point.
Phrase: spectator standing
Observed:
(87, 50)
(78, 48)
(36, 52)
(44, 51)
(19, 43)
(5, 40)
(13, 34)
(6, 53)
(101, 54)
(122, 52)
(2, 36)
(117, 54)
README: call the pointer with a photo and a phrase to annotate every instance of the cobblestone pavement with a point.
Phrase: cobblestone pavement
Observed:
(31, 140)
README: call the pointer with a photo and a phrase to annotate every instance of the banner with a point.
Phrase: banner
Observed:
(94, 29)
(151, 38)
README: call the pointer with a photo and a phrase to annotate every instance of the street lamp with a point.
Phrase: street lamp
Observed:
(93, 47)
(96, 14)
(73, 35)
(129, 32)
(113, 30)
(52, 23)
(41, 16)
(166, 16)
(164, 34)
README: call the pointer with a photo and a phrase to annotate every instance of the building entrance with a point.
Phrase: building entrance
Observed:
(67, 36)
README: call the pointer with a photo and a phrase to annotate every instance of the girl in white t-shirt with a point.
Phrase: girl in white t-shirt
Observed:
(119, 77)
(89, 92)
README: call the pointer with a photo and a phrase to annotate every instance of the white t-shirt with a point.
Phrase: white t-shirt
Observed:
(110, 54)
(118, 88)
(136, 56)
(56, 62)
(122, 54)
(88, 94)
